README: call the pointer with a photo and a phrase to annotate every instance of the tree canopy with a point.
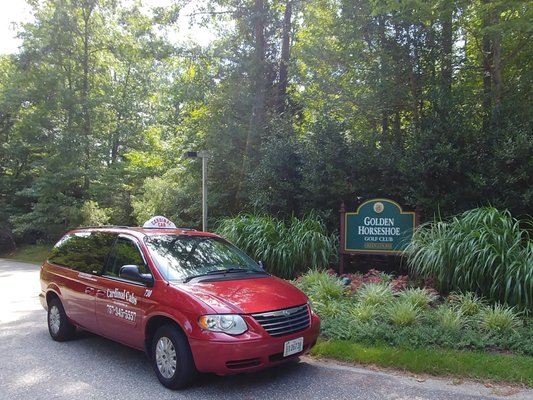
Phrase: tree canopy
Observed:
(301, 104)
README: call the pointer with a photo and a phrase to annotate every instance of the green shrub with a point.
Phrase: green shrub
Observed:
(330, 308)
(402, 313)
(375, 294)
(364, 312)
(468, 304)
(375, 316)
(285, 246)
(420, 298)
(320, 286)
(499, 319)
(449, 318)
(483, 251)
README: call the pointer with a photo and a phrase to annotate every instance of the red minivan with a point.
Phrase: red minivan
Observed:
(191, 300)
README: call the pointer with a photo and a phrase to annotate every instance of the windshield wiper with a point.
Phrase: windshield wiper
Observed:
(219, 272)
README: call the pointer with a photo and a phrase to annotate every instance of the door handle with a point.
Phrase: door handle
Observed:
(100, 294)
(89, 290)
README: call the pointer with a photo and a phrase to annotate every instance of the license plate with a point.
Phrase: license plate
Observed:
(293, 346)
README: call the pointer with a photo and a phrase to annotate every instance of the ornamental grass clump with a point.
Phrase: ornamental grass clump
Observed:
(331, 309)
(402, 313)
(450, 318)
(320, 286)
(418, 297)
(364, 312)
(467, 304)
(374, 294)
(499, 319)
(484, 251)
(285, 246)
(375, 314)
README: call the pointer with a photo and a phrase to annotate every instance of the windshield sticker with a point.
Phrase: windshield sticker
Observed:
(122, 295)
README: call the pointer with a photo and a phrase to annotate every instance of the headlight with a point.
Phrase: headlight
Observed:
(310, 305)
(229, 323)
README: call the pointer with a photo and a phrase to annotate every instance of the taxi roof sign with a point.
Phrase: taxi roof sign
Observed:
(159, 222)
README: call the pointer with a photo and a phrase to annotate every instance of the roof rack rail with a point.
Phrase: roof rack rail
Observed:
(157, 227)
(104, 226)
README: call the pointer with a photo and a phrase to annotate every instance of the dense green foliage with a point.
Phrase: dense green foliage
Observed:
(284, 246)
(483, 251)
(414, 318)
(302, 104)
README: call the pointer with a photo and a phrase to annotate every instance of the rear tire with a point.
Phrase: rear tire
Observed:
(172, 358)
(59, 326)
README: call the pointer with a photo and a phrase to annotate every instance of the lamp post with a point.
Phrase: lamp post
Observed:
(204, 155)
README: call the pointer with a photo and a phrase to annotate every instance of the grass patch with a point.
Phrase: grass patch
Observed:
(473, 365)
(31, 253)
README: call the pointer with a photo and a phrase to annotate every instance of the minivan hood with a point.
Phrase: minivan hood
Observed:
(246, 296)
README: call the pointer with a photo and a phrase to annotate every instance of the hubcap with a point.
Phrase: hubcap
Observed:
(165, 357)
(54, 320)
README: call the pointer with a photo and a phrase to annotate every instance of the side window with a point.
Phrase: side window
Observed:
(125, 252)
(83, 251)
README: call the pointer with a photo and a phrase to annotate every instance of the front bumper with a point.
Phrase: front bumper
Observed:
(235, 356)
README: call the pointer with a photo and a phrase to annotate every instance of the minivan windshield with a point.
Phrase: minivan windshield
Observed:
(183, 257)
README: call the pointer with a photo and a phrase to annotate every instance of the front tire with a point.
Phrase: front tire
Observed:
(172, 358)
(59, 326)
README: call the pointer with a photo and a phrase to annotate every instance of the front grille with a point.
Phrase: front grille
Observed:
(284, 322)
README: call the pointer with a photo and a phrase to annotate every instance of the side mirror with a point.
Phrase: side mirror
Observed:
(132, 273)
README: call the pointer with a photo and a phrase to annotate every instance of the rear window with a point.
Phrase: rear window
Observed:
(83, 251)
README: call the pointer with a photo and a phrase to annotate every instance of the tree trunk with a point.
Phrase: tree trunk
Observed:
(87, 11)
(447, 51)
(285, 58)
(257, 118)
(382, 74)
(487, 73)
(258, 108)
(497, 67)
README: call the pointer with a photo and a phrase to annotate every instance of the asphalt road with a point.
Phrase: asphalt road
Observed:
(32, 366)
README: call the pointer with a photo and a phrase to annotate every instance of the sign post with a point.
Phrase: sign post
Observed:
(379, 226)
(204, 155)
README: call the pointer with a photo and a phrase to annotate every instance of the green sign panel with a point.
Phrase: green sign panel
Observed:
(378, 226)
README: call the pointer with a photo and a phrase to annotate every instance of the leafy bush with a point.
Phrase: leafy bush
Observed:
(420, 298)
(93, 214)
(376, 315)
(468, 303)
(499, 319)
(375, 294)
(285, 246)
(364, 312)
(449, 318)
(483, 251)
(403, 313)
(330, 308)
(320, 286)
